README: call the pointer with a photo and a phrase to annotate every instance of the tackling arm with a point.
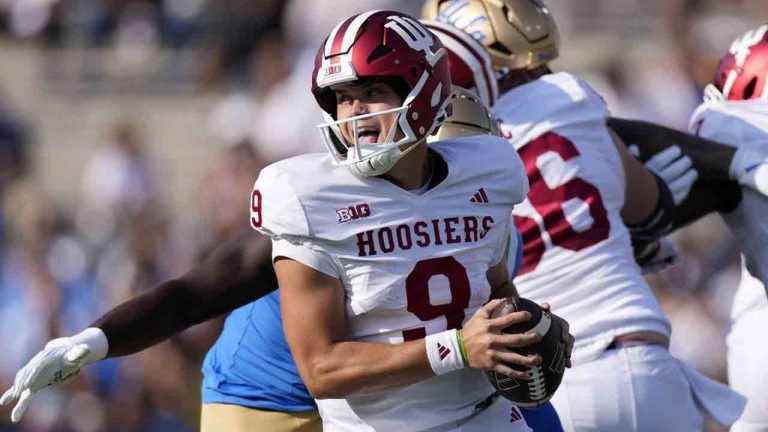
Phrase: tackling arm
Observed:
(238, 272)
(714, 191)
(711, 159)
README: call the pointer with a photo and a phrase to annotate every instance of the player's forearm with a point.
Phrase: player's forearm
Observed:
(711, 159)
(359, 368)
(149, 319)
(236, 273)
(705, 198)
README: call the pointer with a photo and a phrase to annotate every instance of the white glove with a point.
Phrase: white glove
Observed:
(677, 171)
(666, 256)
(58, 362)
(749, 167)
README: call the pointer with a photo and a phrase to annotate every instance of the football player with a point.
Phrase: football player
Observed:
(735, 113)
(382, 249)
(587, 195)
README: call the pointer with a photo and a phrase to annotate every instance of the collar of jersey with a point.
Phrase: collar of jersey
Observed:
(439, 176)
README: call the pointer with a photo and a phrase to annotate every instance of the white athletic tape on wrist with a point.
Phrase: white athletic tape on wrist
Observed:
(443, 352)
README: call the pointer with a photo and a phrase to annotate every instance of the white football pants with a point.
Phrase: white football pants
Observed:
(641, 388)
(748, 368)
(501, 415)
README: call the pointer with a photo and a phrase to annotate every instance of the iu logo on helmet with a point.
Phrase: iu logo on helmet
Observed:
(414, 34)
(741, 46)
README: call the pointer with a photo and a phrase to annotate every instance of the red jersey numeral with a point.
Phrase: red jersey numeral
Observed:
(417, 293)
(549, 204)
(256, 208)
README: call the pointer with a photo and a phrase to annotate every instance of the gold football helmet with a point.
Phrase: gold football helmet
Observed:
(470, 117)
(519, 34)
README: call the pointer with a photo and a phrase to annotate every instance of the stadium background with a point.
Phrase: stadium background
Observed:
(131, 132)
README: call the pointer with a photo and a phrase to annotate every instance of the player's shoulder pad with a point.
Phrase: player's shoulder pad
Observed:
(487, 159)
(571, 97)
(552, 101)
(276, 201)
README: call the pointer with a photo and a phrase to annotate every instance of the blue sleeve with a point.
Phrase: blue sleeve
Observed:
(518, 254)
(542, 419)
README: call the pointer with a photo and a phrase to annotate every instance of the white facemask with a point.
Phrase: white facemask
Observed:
(368, 159)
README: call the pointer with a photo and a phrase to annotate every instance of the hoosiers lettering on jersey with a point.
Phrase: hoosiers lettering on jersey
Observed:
(423, 234)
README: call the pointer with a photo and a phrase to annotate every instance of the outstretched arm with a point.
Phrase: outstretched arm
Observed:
(237, 272)
(711, 159)
(714, 190)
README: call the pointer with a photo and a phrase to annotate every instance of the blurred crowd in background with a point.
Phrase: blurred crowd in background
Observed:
(131, 132)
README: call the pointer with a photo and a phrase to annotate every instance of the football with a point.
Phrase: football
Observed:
(545, 377)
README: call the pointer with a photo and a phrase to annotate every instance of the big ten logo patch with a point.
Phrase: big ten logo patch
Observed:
(353, 212)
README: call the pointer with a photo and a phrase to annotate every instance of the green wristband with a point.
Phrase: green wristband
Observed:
(462, 348)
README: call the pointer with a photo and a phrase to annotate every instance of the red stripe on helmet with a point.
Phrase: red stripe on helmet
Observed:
(336, 47)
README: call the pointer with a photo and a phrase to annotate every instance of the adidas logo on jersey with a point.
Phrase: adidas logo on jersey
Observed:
(443, 351)
(480, 197)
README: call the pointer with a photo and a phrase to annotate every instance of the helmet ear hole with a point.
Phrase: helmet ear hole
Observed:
(749, 90)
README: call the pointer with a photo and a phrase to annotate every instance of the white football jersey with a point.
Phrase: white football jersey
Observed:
(411, 264)
(576, 250)
(736, 123)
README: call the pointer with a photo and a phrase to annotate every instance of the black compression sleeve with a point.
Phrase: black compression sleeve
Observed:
(659, 221)
(236, 273)
(711, 159)
(645, 234)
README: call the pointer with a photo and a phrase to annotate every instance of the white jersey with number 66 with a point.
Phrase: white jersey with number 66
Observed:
(576, 250)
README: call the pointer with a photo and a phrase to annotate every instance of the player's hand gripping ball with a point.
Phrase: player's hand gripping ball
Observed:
(547, 375)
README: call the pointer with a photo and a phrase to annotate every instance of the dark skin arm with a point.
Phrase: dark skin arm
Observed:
(715, 191)
(706, 197)
(236, 273)
(710, 158)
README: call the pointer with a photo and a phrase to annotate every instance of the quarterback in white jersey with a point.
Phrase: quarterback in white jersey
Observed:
(387, 251)
(585, 191)
(736, 113)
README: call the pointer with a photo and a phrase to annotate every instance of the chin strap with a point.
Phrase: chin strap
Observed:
(382, 163)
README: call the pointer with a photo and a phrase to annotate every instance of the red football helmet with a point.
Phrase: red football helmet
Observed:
(384, 44)
(471, 64)
(743, 71)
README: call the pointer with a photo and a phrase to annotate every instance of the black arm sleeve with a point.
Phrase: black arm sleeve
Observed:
(645, 235)
(238, 272)
(658, 223)
(711, 159)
